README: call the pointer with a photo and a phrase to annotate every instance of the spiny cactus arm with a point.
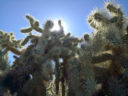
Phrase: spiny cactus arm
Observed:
(29, 29)
(8, 41)
(14, 50)
(34, 24)
(97, 19)
(26, 30)
(61, 26)
(30, 37)
(25, 41)
(101, 58)
(47, 26)
(86, 37)
(31, 19)
(36, 27)
(117, 14)
(114, 9)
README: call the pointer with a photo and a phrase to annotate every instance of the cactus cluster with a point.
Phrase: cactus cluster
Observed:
(93, 65)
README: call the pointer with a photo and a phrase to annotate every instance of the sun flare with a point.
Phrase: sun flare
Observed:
(56, 25)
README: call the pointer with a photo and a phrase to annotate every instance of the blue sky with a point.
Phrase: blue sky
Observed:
(73, 12)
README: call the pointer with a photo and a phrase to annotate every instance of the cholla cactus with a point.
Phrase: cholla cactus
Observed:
(109, 26)
(8, 41)
(36, 60)
(111, 38)
(51, 46)
(76, 70)
(34, 24)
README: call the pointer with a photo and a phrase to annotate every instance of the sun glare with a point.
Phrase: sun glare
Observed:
(56, 26)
